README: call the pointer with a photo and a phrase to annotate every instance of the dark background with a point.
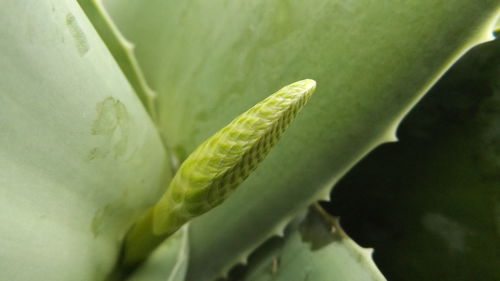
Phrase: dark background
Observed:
(430, 203)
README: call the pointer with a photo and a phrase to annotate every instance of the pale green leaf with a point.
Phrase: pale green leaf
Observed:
(210, 60)
(79, 156)
(316, 250)
(122, 50)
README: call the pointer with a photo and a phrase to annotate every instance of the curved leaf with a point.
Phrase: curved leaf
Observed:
(316, 250)
(122, 50)
(209, 60)
(79, 156)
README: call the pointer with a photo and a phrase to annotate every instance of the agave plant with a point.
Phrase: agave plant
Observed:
(119, 158)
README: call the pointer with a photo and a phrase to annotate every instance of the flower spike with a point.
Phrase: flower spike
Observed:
(214, 170)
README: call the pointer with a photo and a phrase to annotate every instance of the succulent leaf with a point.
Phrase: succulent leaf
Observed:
(122, 50)
(314, 248)
(373, 59)
(80, 158)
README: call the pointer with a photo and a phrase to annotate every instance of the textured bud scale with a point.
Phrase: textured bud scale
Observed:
(208, 176)
(226, 159)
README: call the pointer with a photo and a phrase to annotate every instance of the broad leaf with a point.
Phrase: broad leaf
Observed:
(79, 156)
(210, 60)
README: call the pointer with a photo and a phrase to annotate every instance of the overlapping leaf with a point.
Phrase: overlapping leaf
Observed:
(317, 249)
(79, 156)
(210, 60)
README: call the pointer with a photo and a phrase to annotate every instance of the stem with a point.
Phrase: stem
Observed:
(140, 242)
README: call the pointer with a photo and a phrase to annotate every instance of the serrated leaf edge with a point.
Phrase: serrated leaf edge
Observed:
(388, 136)
(123, 51)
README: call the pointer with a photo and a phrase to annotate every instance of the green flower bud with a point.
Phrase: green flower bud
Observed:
(214, 170)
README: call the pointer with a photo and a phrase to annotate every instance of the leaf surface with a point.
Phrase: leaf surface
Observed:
(79, 156)
(316, 250)
(122, 51)
(210, 60)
